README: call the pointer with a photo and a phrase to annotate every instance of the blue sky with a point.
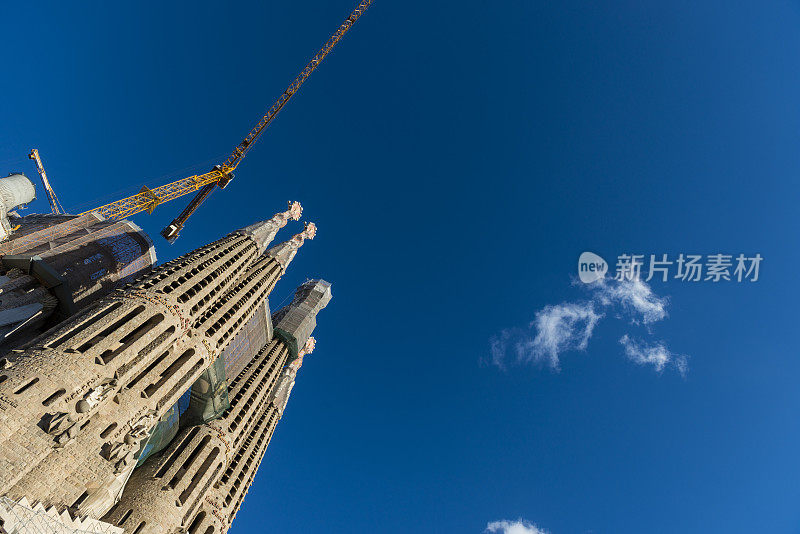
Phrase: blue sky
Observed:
(457, 159)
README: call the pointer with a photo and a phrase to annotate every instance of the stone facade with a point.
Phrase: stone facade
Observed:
(199, 481)
(77, 402)
(70, 262)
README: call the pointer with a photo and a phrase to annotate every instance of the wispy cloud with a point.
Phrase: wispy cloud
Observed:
(635, 297)
(569, 326)
(656, 355)
(520, 526)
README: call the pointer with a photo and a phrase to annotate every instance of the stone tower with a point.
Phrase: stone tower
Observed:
(199, 481)
(78, 403)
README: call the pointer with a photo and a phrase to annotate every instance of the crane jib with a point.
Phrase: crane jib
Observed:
(221, 175)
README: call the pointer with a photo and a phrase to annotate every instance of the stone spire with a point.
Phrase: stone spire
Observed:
(295, 322)
(264, 232)
(91, 388)
(210, 467)
(280, 395)
(284, 252)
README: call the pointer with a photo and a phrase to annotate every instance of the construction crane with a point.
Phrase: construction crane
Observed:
(55, 205)
(221, 175)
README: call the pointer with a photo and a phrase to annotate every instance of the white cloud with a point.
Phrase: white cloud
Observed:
(569, 326)
(520, 526)
(634, 296)
(559, 328)
(498, 345)
(656, 355)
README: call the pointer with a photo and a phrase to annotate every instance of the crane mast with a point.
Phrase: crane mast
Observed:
(55, 205)
(148, 199)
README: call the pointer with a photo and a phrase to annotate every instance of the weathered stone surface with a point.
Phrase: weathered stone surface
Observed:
(198, 483)
(77, 403)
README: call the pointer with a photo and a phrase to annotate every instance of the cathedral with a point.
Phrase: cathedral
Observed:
(139, 398)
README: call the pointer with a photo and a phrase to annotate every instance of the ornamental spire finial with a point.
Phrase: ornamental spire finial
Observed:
(309, 346)
(295, 210)
(307, 349)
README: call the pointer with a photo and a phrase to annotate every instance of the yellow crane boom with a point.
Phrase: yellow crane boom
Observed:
(148, 199)
(239, 152)
(220, 175)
